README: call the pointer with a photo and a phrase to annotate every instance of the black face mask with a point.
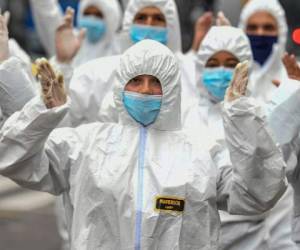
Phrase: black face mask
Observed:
(262, 47)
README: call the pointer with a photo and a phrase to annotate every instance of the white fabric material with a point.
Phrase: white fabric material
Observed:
(260, 84)
(17, 98)
(16, 88)
(237, 232)
(285, 122)
(48, 16)
(233, 41)
(167, 7)
(90, 85)
(112, 173)
(16, 51)
(107, 45)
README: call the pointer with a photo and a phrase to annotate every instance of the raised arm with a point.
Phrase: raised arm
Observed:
(256, 180)
(27, 155)
(47, 16)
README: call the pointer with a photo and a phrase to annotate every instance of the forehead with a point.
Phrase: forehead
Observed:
(150, 10)
(223, 56)
(262, 17)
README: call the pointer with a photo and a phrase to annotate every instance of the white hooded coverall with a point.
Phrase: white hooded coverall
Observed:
(48, 16)
(271, 230)
(116, 177)
(260, 84)
(90, 86)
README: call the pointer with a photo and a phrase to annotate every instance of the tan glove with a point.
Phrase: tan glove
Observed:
(239, 82)
(53, 89)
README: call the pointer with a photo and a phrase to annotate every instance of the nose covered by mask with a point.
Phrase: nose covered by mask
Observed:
(140, 32)
(262, 47)
(95, 27)
(217, 80)
(142, 108)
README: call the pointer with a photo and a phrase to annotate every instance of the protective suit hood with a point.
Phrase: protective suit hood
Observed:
(151, 58)
(221, 38)
(275, 9)
(167, 7)
(260, 84)
(111, 10)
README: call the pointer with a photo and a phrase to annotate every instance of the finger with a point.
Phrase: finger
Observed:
(69, 17)
(45, 69)
(294, 60)
(285, 58)
(50, 70)
(3, 25)
(60, 80)
(222, 20)
(6, 17)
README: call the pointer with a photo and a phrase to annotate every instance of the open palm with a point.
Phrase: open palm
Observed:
(53, 89)
(239, 82)
(67, 43)
(291, 66)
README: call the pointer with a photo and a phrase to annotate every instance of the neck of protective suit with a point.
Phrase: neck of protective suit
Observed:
(217, 80)
(95, 27)
(142, 108)
(262, 47)
(140, 32)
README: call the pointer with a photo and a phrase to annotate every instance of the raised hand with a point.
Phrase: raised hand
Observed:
(67, 43)
(4, 49)
(53, 89)
(239, 82)
(202, 26)
(291, 66)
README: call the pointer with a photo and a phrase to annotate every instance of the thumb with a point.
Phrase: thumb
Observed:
(81, 36)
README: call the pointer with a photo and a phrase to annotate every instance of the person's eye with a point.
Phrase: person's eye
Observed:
(140, 17)
(252, 27)
(269, 27)
(135, 81)
(212, 65)
(231, 64)
(159, 18)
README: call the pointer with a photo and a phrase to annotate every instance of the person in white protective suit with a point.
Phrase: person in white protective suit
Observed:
(285, 121)
(12, 97)
(220, 51)
(89, 87)
(266, 26)
(124, 184)
(100, 18)
(152, 19)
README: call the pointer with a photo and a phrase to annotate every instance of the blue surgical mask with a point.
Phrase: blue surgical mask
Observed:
(95, 28)
(140, 32)
(142, 108)
(262, 47)
(217, 80)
